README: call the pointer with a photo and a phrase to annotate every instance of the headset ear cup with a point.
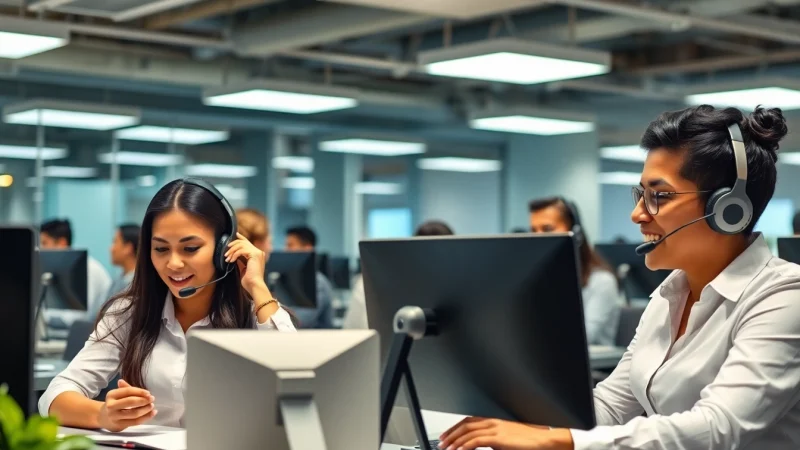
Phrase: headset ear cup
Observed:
(219, 254)
(713, 207)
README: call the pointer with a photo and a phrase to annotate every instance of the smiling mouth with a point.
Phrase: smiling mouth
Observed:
(180, 281)
(651, 237)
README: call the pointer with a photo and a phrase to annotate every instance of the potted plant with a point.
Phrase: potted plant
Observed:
(37, 433)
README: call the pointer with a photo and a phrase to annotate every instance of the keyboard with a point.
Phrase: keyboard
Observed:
(434, 446)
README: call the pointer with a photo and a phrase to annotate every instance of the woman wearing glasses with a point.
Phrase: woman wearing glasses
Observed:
(715, 363)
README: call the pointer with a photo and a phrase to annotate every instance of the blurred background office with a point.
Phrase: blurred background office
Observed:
(375, 118)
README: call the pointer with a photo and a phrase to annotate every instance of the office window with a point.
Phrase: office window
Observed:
(777, 218)
(389, 223)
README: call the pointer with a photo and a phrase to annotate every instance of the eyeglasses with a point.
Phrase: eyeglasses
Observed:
(652, 199)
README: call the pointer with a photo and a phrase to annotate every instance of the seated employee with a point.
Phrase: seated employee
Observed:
(303, 239)
(254, 226)
(601, 297)
(714, 364)
(123, 255)
(356, 316)
(188, 240)
(57, 234)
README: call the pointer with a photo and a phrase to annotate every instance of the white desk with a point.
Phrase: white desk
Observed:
(42, 379)
(51, 348)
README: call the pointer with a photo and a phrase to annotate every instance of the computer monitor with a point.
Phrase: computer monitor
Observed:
(69, 284)
(18, 287)
(323, 264)
(340, 274)
(299, 391)
(510, 339)
(789, 249)
(292, 278)
(637, 281)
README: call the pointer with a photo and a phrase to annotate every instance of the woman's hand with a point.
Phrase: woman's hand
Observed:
(125, 407)
(474, 432)
(252, 272)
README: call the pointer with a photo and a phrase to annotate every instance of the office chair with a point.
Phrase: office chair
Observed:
(629, 317)
(78, 335)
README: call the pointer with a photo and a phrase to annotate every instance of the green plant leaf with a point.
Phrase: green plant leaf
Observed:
(12, 419)
(75, 443)
(38, 430)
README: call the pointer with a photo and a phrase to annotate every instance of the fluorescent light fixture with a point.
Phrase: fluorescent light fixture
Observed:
(61, 114)
(282, 96)
(303, 183)
(18, 45)
(620, 178)
(299, 164)
(748, 99)
(454, 164)
(512, 60)
(21, 37)
(146, 180)
(187, 136)
(231, 192)
(530, 121)
(790, 158)
(376, 147)
(378, 188)
(126, 158)
(632, 153)
(221, 171)
(28, 152)
(69, 172)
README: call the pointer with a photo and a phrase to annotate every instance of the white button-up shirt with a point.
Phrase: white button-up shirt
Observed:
(732, 381)
(98, 362)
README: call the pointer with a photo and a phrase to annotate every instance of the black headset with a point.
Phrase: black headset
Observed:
(575, 219)
(730, 210)
(229, 234)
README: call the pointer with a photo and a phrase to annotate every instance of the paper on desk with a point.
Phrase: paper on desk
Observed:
(152, 436)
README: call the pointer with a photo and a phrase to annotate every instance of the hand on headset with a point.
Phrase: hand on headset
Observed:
(251, 260)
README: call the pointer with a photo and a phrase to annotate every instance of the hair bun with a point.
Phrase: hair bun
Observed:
(767, 127)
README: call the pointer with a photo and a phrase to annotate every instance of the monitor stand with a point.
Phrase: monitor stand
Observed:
(298, 410)
(411, 323)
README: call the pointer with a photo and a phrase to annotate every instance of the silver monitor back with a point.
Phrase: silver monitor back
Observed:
(256, 389)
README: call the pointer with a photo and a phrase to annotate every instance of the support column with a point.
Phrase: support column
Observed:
(336, 211)
(262, 190)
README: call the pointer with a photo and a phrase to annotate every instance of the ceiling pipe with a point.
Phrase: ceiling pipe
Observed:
(681, 21)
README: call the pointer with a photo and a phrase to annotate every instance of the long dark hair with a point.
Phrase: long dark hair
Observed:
(140, 307)
(590, 260)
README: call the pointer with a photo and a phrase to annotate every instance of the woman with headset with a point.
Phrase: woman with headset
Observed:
(715, 362)
(193, 272)
(599, 287)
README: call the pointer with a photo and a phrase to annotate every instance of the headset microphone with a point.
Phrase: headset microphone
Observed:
(648, 247)
(189, 291)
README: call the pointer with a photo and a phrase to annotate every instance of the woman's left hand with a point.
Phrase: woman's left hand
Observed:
(474, 432)
(252, 272)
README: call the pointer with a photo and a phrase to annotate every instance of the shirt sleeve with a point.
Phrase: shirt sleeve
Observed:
(95, 365)
(601, 305)
(756, 386)
(280, 321)
(614, 402)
